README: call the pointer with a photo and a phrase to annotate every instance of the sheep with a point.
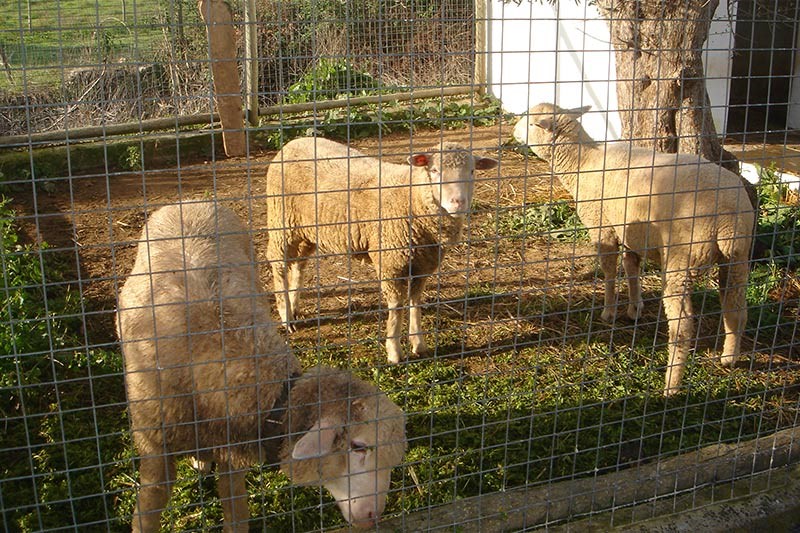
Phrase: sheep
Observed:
(324, 195)
(678, 210)
(207, 375)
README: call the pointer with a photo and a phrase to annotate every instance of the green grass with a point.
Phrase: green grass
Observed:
(777, 231)
(552, 410)
(63, 404)
(54, 36)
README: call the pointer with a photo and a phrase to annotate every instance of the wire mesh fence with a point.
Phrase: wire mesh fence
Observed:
(578, 329)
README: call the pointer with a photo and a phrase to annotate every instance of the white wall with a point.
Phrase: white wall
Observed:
(533, 44)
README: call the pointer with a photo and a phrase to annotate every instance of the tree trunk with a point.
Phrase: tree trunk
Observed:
(660, 79)
(225, 72)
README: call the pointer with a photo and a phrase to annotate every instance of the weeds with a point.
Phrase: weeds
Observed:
(61, 405)
(557, 221)
(131, 158)
(357, 122)
(778, 220)
(331, 80)
(777, 232)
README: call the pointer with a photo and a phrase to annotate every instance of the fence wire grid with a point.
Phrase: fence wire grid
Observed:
(321, 265)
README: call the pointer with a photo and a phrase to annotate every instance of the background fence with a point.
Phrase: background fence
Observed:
(529, 410)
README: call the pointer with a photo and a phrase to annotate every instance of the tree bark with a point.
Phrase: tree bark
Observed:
(225, 71)
(660, 78)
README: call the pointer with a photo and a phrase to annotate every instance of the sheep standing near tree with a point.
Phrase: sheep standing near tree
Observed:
(207, 375)
(322, 195)
(679, 210)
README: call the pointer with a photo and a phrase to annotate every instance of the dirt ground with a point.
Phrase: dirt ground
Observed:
(493, 292)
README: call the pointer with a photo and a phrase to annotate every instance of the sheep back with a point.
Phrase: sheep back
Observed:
(203, 362)
(665, 201)
(336, 198)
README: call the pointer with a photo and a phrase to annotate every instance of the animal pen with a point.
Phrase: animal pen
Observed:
(533, 405)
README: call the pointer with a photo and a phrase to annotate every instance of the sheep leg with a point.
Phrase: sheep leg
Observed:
(608, 264)
(631, 263)
(416, 336)
(233, 493)
(678, 310)
(297, 270)
(732, 282)
(156, 474)
(394, 301)
(296, 280)
(282, 300)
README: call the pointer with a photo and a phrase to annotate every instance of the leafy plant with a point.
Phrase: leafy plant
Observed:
(331, 80)
(56, 460)
(131, 158)
(778, 220)
(557, 221)
(369, 120)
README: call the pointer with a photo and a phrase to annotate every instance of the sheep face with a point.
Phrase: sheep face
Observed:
(451, 171)
(354, 462)
(543, 124)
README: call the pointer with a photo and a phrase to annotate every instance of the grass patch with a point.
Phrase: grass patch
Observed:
(62, 404)
(773, 307)
(556, 221)
(44, 39)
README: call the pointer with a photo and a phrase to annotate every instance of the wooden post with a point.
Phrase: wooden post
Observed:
(225, 72)
(251, 62)
(480, 46)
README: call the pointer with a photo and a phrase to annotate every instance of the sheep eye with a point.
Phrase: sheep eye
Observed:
(359, 447)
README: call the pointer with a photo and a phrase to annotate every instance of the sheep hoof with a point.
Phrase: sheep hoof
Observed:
(635, 311)
(291, 327)
(669, 392)
(608, 315)
(393, 351)
(420, 351)
(728, 359)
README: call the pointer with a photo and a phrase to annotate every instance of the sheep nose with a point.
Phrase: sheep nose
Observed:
(458, 202)
(368, 522)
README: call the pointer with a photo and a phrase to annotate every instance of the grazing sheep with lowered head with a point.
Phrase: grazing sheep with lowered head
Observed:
(207, 375)
(324, 195)
(679, 210)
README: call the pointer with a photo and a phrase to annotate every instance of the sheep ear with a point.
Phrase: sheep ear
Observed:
(363, 408)
(485, 163)
(317, 441)
(419, 160)
(579, 111)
